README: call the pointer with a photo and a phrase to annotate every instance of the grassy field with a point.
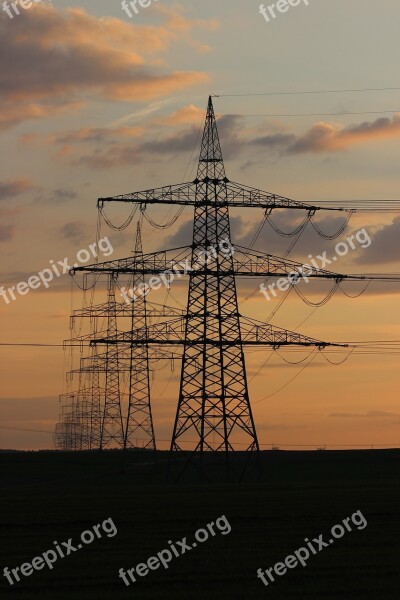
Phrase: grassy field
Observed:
(55, 496)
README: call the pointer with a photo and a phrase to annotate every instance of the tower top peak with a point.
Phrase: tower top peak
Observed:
(211, 163)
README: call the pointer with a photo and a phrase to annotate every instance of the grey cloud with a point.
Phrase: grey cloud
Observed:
(385, 246)
(10, 189)
(73, 230)
(6, 232)
(275, 140)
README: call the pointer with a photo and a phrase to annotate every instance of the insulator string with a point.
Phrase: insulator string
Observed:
(163, 225)
(297, 362)
(118, 227)
(335, 235)
(357, 295)
(322, 302)
(299, 229)
(332, 362)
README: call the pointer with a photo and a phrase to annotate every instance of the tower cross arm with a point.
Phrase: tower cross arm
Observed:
(150, 264)
(178, 262)
(252, 263)
(258, 333)
(179, 194)
(245, 196)
(253, 333)
(234, 195)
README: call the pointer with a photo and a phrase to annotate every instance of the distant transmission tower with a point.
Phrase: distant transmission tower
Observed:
(112, 431)
(93, 418)
(139, 421)
(214, 415)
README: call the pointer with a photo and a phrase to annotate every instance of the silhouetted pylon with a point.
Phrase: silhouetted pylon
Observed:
(214, 408)
(112, 432)
(139, 422)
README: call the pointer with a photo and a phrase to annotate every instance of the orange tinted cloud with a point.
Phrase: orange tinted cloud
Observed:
(95, 134)
(177, 21)
(60, 56)
(327, 137)
(188, 115)
(122, 146)
(12, 114)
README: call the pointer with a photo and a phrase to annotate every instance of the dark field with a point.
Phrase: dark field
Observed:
(56, 496)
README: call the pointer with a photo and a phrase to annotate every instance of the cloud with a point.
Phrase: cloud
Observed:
(64, 194)
(188, 115)
(184, 235)
(110, 148)
(372, 414)
(11, 115)
(184, 140)
(80, 57)
(322, 137)
(181, 142)
(327, 137)
(385, 245)
(176, 21)
(6, 232)
(58, 196)
(8, 211)
(310, 246)
(99, 135)
(114, 157)
(129, 154)
(73, 231)
(10, 189)
(275, 140)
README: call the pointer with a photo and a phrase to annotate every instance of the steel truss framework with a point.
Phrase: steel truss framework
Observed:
(214, 410)
(92, 417)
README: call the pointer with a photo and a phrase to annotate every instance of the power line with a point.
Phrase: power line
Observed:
(313, 355)
(396, 445)
(24, 429)
(332, 114)
(41, 345)
(303, 92)
(361, 347)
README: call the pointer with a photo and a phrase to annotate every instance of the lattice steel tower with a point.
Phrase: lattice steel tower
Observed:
(213, 412)
(214, 400)
(112, 431)
(139, 421)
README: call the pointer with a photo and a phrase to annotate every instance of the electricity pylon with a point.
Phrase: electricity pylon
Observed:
(214, 402)
(93, 417)
(112, 431)
(139, 420)
(214, 412)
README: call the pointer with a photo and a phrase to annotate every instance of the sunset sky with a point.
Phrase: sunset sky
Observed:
(95, 104)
